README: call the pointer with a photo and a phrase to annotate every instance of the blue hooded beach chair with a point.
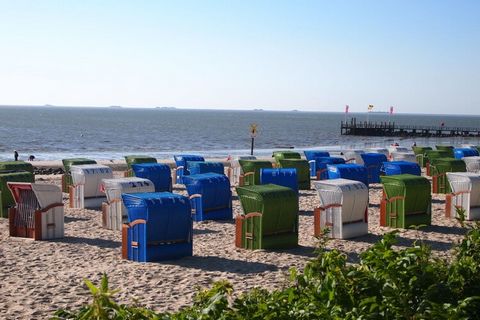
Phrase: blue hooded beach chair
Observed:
(373, 162)
(392, 168)
(349, 171)
(159, 174)
(181, 162)
(286, 177)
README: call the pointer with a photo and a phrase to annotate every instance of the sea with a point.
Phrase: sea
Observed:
(53, 133)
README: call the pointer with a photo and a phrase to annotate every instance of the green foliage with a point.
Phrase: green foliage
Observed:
(387, 283)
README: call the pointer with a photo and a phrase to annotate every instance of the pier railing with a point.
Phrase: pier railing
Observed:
(388, 128)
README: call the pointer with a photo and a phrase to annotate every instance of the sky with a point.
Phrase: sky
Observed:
(416, 55)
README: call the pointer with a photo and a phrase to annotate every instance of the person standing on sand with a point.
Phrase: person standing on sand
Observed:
(15, 155)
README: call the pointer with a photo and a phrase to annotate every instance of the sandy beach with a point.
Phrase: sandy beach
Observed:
(39, 277)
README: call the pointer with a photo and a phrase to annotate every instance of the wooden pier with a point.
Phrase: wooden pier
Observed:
(387, 128)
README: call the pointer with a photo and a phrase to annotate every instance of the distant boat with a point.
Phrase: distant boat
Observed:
(166, 108)
(49, 105)
(116, 107)
(257, 109)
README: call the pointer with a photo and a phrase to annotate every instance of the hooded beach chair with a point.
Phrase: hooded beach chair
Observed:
(269, 219)
(391, 168)
(67, 177)
(181, 162)
(318, 166)
(439, 167)
(198, 167)
(311, 156)
(15, 166)
(343, 208)
(403, 156)
(38, 211)
(251, 171)
(160, 174)
(420, 155)
(133, 159)
(6, 198)
(373, 162)
(291, 159)
(447, 149)
(349, 171)
(406, 201)
(210, 196)
(465, 195)
(472, 164)
(286, 177)
(354, 156)
(159, 227)
(85, 192)
(431, 155)
(383, 151)
(235, 170)
(114, 213)
(460, 153)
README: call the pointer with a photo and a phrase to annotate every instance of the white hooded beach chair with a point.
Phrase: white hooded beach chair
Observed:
(354, 156)
(465, 194)
(473, 164)
(403, 156)
(114, 213)
(85, 191)
(235, 171)
(343, 208)
(38, 211)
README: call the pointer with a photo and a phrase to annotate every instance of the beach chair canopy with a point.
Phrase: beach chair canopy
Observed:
(448, 149)
(443, 165)
(282, 155)
(43, 195)
(466, 182)
(277, 204)
(198, 167)
(182, 159)
(415, 189)
(312, 154)
(158, 173)
(383, 151)
(67, 163)
(213, 187)
(114, 188)
(134, 159)
(420, 150)
(348, 171)
(90, 176)
(13, 166)
(391, 168)
(403, 156)
(6, 199)
(461, 153)
(435, 154)
(234, 162)
(370, 159)
(472, 164)
(320, 164)
(351, 194)
(167, 215)
(286, 177)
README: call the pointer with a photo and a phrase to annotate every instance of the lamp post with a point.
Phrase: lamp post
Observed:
(253, 134)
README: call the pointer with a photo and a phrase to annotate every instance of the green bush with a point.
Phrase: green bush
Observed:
(387, 283)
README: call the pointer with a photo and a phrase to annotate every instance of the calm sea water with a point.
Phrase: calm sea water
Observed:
(52, 133)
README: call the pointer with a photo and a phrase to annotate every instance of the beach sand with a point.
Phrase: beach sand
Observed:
(39, 277)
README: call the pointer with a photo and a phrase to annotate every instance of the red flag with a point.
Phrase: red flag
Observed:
(391, 110)
(346, 108)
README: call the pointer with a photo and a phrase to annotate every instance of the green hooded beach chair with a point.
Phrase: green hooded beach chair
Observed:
(439, 167)
(420, 155)
(435, 154)
(6, 198)
(133, 159)
(406, 201)
(270, 218)
(15, 166)
(251, 171)
(448, 149)
(291, 159)
(67, 177)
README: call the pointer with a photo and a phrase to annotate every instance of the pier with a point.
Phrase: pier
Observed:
(387, 128)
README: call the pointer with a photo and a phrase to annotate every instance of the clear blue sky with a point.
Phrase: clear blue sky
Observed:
(419, 56)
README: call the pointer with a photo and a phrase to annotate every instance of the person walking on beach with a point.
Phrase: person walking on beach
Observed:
(15, 155)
